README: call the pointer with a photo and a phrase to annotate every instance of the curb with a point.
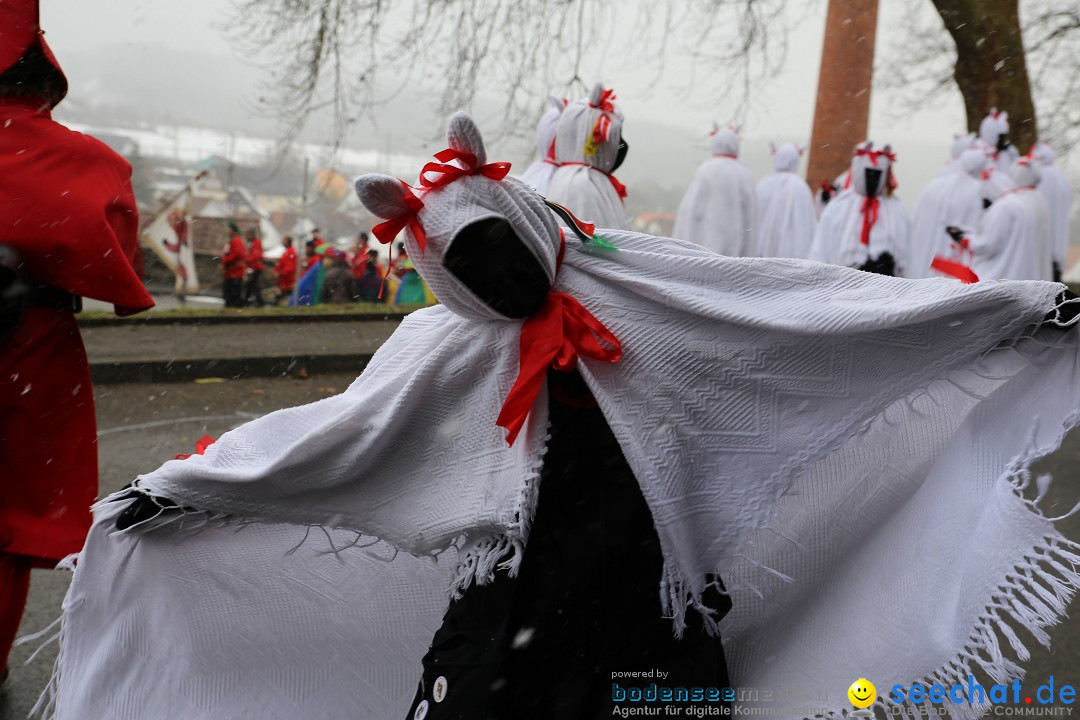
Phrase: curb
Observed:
(165, 371)
(238, 319)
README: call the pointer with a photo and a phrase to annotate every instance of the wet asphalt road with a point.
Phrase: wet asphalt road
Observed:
(140, 426)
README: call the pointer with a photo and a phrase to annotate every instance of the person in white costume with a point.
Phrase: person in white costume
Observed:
(538, 175)
(953, 198)
(837, 446)
(1013, 240)
(1057, 190)
(786, 216)
(589, 147)
(719, 209)
(866, 226)
(994, 132)
(961, 144)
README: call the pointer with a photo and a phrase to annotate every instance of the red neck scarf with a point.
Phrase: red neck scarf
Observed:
(555, 336)
(620, 189)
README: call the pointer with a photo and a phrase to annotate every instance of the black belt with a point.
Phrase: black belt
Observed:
(47, 296)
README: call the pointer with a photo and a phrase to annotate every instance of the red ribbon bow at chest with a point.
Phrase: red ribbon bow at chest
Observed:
(560, 332)
(869, 217)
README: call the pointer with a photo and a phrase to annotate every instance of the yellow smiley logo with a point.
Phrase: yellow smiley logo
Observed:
(862, 693)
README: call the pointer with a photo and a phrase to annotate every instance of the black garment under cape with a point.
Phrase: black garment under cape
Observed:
(585, 604)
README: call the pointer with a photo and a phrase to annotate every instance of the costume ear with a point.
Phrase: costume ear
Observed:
(800, 149)
(382, 195)
(557, 103)
(993, 112)
(772, 147)
(462, 134)
(597, 95)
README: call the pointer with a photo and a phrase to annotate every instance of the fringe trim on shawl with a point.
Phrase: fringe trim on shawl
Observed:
(1034, 595)
(480, 557)
(45, 707)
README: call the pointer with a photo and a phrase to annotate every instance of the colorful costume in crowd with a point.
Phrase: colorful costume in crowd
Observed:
(830, 446)
(68, 213)
(719, 209)
(538, 175)
(785, 205)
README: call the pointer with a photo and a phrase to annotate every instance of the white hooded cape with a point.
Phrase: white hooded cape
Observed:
(583, 182)
(951, 199)
(1058, 192)
(719, 209)
(790, 424)
(786, 215)
(1013, 240)
(838, 238)
(538, 175)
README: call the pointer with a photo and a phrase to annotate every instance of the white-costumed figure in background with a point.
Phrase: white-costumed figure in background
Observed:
(866, 226)
(951, 199)
(791, 426)
(1057, 190)
(961, 144)
(1013, 240)
(538, 175)
(785, 205)
(589, 147)
(994, 133)
(719, 209)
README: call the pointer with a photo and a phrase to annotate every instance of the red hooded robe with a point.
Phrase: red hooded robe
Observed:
(67, 208)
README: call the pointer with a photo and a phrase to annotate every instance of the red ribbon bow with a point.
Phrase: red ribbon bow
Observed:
(560, 332)
(874, 155)
(200, 447)
(387, 231)
(606, 101)
(446, 174)
(869, 217)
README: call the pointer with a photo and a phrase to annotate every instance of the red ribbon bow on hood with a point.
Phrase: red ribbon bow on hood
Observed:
(387, 231)
(556, 335)
(606, 101)
(447, 174)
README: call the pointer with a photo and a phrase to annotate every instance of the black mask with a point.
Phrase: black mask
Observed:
(873, 181)
(1003, 142)
(489, 258)
(620, 154)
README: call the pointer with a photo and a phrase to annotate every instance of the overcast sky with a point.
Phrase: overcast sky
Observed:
(782, 109)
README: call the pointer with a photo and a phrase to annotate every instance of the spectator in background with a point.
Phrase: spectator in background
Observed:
(255, 267)
(411, 290)
(285, 270)
(368, 284)
(339, 285)
(358, 254)
(234, 266)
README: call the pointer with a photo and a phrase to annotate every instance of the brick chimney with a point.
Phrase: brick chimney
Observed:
(842, 115)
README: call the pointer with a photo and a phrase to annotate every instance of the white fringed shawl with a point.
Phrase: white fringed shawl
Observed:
(838, 446)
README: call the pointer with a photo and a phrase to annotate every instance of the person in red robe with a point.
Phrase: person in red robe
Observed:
(69, 227)
(234, 267)
(285, 270)
(255, 267)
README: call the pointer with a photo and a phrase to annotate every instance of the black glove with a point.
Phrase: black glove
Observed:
(955, 233)
(13, 291)
(1060, 317)
(143, 507)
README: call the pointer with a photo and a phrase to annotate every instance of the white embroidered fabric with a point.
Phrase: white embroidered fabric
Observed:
(836, 445)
